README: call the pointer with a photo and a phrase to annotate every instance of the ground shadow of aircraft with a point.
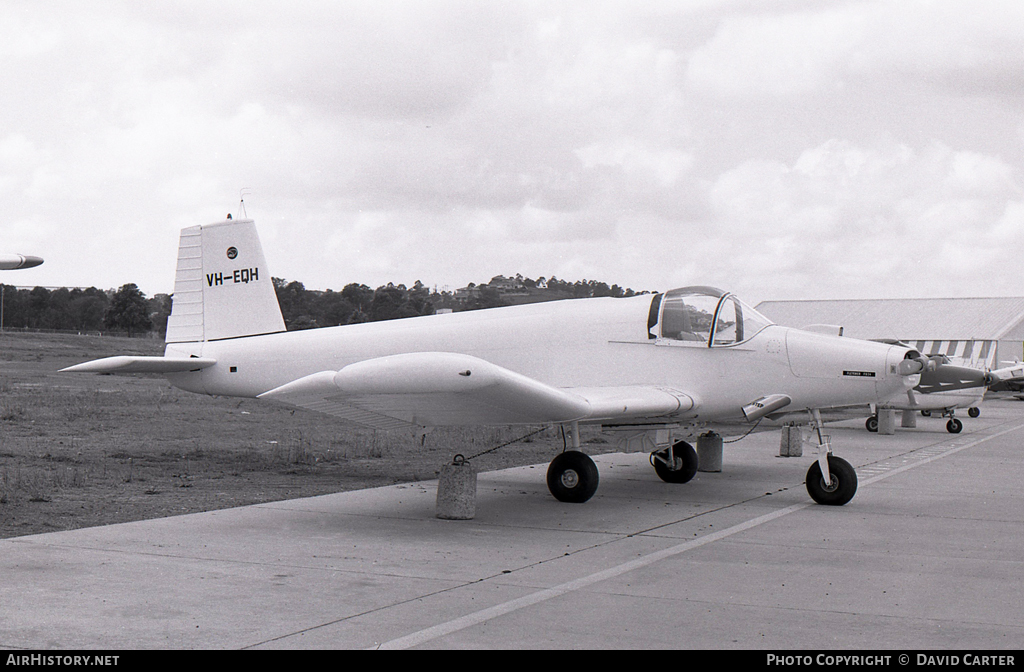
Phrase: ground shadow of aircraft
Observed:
(657, 369)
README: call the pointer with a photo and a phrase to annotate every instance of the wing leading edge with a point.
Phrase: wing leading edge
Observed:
(441, 389)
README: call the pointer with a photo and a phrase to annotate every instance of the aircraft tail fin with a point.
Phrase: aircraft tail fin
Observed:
(222, 286)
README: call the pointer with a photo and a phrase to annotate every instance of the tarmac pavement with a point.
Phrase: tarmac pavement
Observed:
(928, 555)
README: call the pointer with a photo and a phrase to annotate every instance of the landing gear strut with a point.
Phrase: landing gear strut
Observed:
(830, 480)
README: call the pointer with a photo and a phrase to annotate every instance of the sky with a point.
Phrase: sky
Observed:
(784, 150)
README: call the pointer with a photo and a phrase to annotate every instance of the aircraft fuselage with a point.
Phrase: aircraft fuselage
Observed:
(580, 343)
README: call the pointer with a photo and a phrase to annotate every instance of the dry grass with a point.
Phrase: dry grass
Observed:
(79, 450)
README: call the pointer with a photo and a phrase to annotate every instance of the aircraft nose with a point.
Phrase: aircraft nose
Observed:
(950, 377)
(970, 377)
(982, 378)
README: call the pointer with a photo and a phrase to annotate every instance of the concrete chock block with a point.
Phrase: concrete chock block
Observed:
(792, 443)
(456, 491)
(909, 419)
(709, 452)
(886, 421)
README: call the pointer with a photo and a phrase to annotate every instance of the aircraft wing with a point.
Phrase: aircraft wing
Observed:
(10, 262)
(439, 389)
(140, 364)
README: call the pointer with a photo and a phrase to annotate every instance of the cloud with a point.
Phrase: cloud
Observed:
(759, 53)
(787, 55)
(779, 150)
(844, 217)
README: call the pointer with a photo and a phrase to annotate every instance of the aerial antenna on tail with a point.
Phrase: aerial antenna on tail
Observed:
(242, 193)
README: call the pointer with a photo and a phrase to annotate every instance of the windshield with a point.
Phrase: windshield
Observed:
(707, 316)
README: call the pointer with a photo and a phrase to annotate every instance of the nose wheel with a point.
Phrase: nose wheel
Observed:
(830, 480)
(953, 425)
(842, 485)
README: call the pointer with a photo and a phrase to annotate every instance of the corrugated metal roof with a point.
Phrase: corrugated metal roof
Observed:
(974, 318)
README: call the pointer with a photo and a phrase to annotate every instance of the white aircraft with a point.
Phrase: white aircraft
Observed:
(11, 262)
(659, 368)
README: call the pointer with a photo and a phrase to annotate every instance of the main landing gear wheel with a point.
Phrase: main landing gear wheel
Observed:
(840, 490)
(926, 414)
(684, 463)
(572, 477)
(974, 411)
(954, 426)
(872, 423)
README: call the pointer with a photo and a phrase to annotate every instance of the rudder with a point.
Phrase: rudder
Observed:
(222, 287)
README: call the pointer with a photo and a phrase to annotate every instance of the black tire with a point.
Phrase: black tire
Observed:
(954, 426)
(843, 484)
(926, 414)
(872, 423)
(685, 463)
(572, 477)
(974, 411)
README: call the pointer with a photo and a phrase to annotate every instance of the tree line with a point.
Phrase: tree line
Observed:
(128, 311)
(355, 303)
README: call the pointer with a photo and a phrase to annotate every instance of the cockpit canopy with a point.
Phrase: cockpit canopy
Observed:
(703, 316)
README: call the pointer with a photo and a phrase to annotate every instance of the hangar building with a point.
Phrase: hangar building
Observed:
(978, 332)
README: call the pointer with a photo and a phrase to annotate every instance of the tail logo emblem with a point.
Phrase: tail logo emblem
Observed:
(232, 252)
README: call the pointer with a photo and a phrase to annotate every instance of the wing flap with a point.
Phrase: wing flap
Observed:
(140, 364)
(635, 401)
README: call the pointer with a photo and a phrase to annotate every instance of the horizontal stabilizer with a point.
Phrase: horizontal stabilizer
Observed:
(130, 364)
